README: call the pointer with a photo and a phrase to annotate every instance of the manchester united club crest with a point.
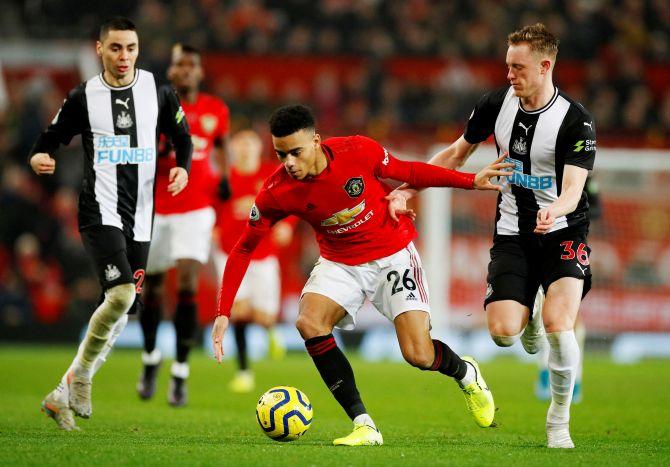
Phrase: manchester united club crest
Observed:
(354, 187)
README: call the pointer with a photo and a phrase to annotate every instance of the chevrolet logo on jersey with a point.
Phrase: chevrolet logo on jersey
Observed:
(344, 216)
(112, 150)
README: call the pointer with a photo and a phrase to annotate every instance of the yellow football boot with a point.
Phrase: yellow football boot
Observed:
(276, 346)
(363, 435)
(243, 382)
(478, 397)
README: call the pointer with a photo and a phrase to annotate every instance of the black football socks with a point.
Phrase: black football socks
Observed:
(447, 361)
(185, 322)
(336, 372)
(150, 317)
(240, 329)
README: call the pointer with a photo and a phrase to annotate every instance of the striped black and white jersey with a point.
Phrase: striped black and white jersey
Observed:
(120, 127)
(540, 143)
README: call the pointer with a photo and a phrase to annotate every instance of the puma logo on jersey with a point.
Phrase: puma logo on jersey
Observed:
(123, 103)
(386, 157)
(581, 269)
(588, 124)
(524, 127)
(344, 216)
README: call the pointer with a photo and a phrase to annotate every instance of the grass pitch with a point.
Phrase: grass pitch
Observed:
(622, 420)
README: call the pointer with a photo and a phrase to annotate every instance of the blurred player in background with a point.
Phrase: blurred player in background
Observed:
(336, 186)
(542, 386)
(120, 113)
(542, 216)
(259, 297)
(183, 225)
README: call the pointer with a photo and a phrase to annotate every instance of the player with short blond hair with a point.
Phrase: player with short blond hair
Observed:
(542, 217)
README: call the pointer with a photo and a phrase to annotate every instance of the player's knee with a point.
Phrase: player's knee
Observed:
(310, 326)
(503, 334)
(558, 324)
(120, 298)
(504, 341)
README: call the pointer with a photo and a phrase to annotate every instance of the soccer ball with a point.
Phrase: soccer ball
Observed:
(284, 413)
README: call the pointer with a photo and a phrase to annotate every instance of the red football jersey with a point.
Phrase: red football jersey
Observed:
(344, 204)
(232, 216)
(208, 119)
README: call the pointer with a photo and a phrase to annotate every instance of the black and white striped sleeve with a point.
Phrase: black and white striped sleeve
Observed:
(576, 141)
(173, 124)
(68, 122)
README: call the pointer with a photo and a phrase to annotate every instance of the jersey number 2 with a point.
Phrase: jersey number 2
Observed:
(139, 280)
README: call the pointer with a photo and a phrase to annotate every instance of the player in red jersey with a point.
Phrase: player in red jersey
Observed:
(246, 176)
(335, 186)
(183, 225)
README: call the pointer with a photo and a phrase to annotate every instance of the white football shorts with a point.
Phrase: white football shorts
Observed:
(394, 284)
(261, 284)
(185, 235)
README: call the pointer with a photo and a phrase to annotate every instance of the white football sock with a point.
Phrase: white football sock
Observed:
(152, 358)
(62, 390)
(180, 370)
(116, 332)
(580, 334)
(563, 365)
(470, 375)
(118, 301)
(364, 419)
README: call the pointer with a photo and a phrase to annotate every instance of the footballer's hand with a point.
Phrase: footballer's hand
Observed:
(218, 331)
(43, 164)
(497, 169)
(545, 221)
(178, 180)
(398, 204)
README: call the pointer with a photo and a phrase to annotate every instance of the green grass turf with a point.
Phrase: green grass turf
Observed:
(622, 420)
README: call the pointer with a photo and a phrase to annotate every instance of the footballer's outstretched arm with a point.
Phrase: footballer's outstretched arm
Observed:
(236, 267)
(264, 214)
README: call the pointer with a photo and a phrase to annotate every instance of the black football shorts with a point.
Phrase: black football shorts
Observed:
(520, 264)
(117, 258)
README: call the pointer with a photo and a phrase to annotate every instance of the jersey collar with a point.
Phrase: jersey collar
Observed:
(119, 88)
(541, 109)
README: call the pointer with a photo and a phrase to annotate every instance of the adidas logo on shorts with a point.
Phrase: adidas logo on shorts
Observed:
(410, 296)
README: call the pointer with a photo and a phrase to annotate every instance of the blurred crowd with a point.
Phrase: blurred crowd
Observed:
(44, 273)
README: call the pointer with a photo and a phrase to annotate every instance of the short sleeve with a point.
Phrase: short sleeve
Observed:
(481, 123)
(577, 143)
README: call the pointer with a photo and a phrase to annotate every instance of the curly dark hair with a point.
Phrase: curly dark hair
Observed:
(288, 119)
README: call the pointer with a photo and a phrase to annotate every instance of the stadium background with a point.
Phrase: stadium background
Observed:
(404, 72)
